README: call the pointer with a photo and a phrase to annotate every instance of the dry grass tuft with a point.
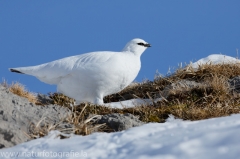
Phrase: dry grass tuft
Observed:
(84, 125)
(75, 123)
(41, 129)
(20, 90)
(61, 99)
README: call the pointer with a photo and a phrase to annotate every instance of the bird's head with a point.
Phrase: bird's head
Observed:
(136, 46)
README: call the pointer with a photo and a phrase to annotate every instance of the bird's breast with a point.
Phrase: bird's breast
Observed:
(126, 73)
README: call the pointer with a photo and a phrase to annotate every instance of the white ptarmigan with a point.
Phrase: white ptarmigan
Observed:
(91, 76)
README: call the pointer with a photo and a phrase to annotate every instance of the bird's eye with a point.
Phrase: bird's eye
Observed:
(141, 44)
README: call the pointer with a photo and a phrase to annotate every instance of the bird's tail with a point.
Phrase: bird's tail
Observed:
(24, 70)
(14, 70)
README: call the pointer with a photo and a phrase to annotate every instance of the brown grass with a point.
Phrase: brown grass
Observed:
(20, 90)
(79, 125)
(61, 99)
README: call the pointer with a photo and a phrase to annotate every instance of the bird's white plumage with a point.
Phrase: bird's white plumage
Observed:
(91, 76)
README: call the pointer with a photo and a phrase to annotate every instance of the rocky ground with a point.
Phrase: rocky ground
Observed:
(19, 118)
(17, 115)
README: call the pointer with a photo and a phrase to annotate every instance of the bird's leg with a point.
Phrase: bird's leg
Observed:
(98, 101)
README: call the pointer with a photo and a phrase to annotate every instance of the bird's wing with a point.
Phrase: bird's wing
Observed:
(52, 72)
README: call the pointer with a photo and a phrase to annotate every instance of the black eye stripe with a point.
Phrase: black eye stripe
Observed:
(145, 45)
(141, 44)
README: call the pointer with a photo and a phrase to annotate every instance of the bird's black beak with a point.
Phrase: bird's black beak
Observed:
(147, 45)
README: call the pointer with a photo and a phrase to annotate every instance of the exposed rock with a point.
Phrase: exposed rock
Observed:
(17, 114)
(44, 99)
(119, 122)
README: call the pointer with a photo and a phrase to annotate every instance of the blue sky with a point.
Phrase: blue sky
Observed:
(35, 32)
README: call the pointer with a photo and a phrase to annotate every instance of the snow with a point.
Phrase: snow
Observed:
(216, 138)
(176, 139)
(131, 103)
(215, 59)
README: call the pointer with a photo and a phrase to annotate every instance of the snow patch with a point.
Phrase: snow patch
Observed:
(215, 59)
(209, 139)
